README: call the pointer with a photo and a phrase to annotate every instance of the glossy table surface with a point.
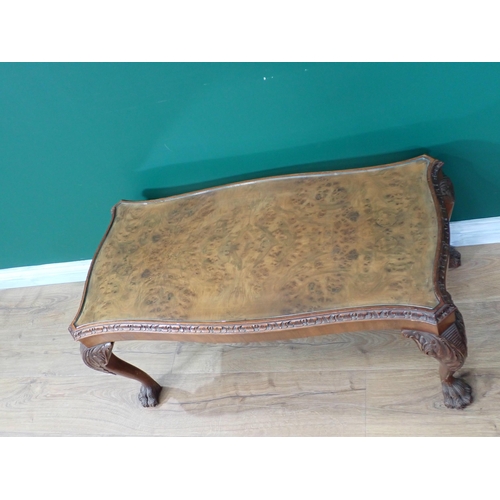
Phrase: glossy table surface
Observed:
(271, 248)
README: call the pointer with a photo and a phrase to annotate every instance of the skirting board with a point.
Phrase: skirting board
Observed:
(463, 233)
(46, 274)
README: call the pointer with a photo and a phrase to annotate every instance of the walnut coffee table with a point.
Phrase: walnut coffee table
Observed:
(280, 258)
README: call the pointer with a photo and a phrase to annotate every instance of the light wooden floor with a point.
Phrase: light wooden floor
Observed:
(359, 384)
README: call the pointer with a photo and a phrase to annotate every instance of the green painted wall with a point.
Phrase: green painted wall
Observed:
(77, 138)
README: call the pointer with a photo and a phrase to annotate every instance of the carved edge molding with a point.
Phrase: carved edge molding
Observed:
(443, 187)
(450, 348)
(97, 357)
(430, 317)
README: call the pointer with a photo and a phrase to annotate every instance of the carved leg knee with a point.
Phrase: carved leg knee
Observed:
(455, 258)
(450, 349)
(101, 358)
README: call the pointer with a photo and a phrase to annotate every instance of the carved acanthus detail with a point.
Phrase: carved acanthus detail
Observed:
(450, 348)
(438, 348)
(97, 357)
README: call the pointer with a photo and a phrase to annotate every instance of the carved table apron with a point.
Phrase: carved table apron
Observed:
(280, 258)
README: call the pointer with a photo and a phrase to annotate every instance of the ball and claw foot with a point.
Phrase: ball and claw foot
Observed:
(457, 394)
(149, 396)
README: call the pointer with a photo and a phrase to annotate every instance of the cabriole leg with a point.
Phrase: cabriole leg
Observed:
(449, 199)
(450, 349)
(455, 258)
(102, 359)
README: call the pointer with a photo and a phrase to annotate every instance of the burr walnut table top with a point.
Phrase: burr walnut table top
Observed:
(277, 257)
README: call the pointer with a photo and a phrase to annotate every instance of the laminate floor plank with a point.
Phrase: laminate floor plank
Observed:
(39, 305)
(410, 403)
(34, 337)
(358, 351)
(376, 350)
(68, 363)
(271, 404)
(353, 384)
(478, 277)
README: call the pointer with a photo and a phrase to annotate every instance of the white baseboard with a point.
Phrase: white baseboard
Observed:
(46, 274)
(463, 233)
(475, 232)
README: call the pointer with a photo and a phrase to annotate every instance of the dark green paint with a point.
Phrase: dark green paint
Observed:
(77, 138)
